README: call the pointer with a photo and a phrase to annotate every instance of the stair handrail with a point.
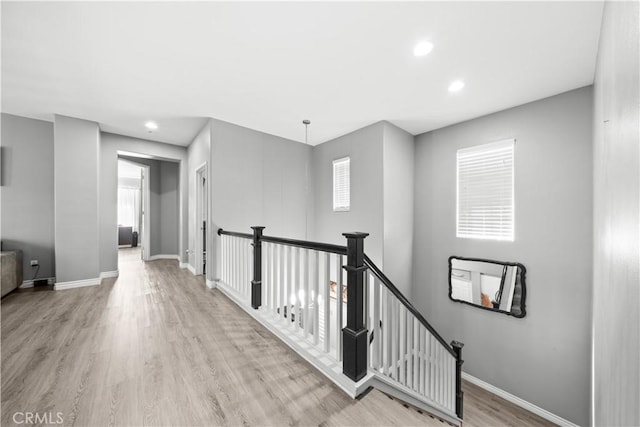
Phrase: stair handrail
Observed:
(305, 244)
(400, 296)
(234, 234)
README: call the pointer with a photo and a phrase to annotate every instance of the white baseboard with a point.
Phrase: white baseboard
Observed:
(76, 284)
(184, 264)
(518, 401)
(29, 283)
(192, 269)
(107, 274)
(211, 284)
(164, 256)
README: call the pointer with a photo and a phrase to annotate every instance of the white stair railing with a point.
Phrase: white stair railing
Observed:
(237, 264)
(299, 290)
(405, 351)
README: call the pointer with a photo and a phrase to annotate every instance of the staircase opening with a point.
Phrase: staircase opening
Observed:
(338, 310)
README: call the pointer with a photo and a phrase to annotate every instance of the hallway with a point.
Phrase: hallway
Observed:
(155, 347)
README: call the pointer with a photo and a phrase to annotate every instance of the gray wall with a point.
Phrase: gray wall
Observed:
(258, 179)
(109, 146)
(398, 152)
(27, 192)
(169, 208)
(543, 358)
(76, 171)
(616, 290)
(364, 147)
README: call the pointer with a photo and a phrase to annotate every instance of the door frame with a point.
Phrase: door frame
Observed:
(202, 210)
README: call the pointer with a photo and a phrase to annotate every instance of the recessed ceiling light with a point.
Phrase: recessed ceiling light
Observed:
(456, 86)
(423, 48)
(151, 125)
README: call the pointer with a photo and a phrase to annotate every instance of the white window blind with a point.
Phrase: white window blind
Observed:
(341, 185)
(485, 204)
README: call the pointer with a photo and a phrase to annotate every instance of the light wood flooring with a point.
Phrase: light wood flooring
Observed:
(155, 347)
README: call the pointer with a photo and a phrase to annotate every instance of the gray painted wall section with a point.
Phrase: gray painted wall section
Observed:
(76, 171)
(616, 290)
(543, 358)
(27, 192)
(364, 147)
(110, 144)
(258, 179)
(398, 152)
(169, 208)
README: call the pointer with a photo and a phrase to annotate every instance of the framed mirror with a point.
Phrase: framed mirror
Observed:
(490, 285)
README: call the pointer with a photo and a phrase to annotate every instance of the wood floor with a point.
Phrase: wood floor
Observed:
(155, 347)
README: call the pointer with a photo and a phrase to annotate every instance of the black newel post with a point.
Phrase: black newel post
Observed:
(457, 348)
(256, 283)
(354, 335)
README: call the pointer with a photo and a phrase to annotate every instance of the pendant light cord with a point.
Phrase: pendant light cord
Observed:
(306, 181)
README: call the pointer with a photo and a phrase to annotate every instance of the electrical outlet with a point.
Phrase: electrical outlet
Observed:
(34, 263)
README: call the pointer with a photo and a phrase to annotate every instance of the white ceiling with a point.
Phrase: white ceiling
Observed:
(268, 66)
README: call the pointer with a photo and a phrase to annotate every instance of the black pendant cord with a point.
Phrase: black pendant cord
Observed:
(306, 124)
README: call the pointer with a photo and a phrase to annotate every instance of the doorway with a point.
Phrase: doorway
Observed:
(133, 207)
(201, 224)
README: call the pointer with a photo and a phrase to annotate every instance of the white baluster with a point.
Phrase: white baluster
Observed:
(229, 263)
(386, 330)
(440, 377)
(395, 342)
(449, 380)
(377, 334)
(273, 297)
(338, 330)
(234, 262)
(243, 257)
(287, 282)
(431, 371)
(245, 267)
(265, 276)
(240, 265)
(416, 354)
(316, 311)
(298, 290)
(409, 349)
(223, 268)
(326, 302)
(423, 372)
(307, 293)
(250, 263)
(280, 281)
(403, 344)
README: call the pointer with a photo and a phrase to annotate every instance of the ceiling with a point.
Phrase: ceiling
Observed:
(268, 66)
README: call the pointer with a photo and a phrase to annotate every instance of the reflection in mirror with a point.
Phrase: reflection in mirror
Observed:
(492, 285)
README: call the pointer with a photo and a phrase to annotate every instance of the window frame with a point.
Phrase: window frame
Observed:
(484, 149)
(337, 163)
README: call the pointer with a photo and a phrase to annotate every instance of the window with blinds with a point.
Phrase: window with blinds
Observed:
(341, 185)
(485, 204)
